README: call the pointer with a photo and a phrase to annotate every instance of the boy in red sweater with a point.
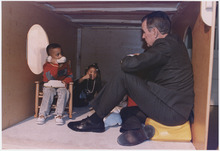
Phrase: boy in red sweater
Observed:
(56, 69)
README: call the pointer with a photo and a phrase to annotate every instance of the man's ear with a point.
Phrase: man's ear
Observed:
(156, 32)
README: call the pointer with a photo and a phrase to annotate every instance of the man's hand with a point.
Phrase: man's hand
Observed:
(134, 54)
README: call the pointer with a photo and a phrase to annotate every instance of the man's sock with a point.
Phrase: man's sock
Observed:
(95, 118)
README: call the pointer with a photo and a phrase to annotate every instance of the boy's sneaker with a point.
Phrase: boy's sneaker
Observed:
(59, 120)
(40, 120)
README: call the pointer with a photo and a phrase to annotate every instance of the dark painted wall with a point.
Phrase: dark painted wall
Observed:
(107, 47)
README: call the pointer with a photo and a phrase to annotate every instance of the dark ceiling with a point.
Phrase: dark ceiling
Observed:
(110, 13)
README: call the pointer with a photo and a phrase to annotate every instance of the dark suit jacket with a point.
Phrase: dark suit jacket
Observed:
(168, 72)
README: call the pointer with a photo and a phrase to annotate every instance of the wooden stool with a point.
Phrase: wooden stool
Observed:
(170, 133)
(39, 96)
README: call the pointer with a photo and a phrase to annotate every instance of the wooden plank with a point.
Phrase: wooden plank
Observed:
(102, 13)
(202, 54)
(202, 60)
(112, 4)
(105, 21)
(116, 9)
(108, 16)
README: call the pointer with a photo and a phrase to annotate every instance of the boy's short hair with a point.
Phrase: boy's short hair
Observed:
(52, 46)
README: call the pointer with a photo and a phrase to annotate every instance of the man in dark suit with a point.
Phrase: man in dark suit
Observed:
(163, 92)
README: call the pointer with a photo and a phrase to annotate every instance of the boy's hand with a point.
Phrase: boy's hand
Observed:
(64, 83)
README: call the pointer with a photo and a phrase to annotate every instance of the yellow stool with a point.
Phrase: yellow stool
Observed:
(170, 133)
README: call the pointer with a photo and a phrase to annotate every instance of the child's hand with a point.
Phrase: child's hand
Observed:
(64, 83)
(84, 78)
(87, 76)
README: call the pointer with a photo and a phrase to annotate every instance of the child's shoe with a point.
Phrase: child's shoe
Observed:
(40, 120)
(59, 120)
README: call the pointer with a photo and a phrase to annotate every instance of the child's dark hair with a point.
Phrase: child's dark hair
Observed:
(94, 65)
(52, 46)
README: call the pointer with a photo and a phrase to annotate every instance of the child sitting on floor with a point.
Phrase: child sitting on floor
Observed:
(86, 87)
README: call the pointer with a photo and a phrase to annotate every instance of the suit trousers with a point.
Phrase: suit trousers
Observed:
(132, 118)
(137, 88)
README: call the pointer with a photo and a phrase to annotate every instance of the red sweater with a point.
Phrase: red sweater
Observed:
(54, 72)
(131, 102)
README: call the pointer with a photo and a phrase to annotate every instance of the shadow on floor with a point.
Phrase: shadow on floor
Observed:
(213, 128)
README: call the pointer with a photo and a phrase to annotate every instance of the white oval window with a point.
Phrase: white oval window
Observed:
(37, 41)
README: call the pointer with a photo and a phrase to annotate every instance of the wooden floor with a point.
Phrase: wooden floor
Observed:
(28, 135)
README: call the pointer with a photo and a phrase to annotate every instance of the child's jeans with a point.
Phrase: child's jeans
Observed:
(48, 96)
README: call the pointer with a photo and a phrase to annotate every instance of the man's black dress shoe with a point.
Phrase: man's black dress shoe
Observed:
(86, 125)
(135, 137)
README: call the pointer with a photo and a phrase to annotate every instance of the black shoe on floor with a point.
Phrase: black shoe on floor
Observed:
(86, 125)
(122, 130)
(135, 137)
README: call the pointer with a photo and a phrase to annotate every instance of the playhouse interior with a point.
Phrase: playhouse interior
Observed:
(102, 32)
